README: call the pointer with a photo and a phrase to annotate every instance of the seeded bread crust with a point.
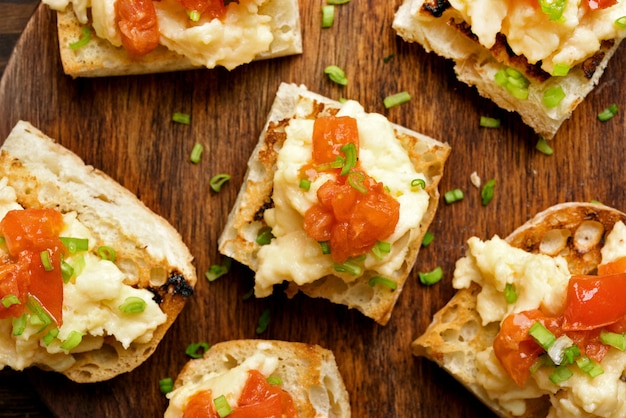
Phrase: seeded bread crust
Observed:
(308, 372)
(573, 230)
(238, 239)
(149, 250)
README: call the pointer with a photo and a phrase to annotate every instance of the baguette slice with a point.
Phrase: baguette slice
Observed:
(576, 231)
(476, 66)
(308, 373)
(149, 251)
(100, 58)
(238, 240)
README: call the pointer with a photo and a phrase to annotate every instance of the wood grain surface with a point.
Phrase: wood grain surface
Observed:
(123, 126)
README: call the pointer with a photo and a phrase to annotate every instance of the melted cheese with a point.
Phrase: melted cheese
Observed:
(90, 306)
(295, 257)
(494, 263)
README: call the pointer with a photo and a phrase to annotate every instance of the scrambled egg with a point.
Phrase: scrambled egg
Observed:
(540, 282)
(530, 32)
(90, 306)
(295, 257)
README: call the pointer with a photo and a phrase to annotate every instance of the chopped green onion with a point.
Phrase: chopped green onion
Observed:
(570, 354)
(85, 37)
(264, 321)
(350, 152)
(50, 336)
(194, 15)
(356, 179)
(337, 1)
(388, 58)
(67, 271)
(542, 335)
(428, 238)
(396, 99)
(621, 22)
(560, 70)
(216, 271)
(305, 184)
(217, 181)
(183, 118)
(338, 163)
(336, 74)
(560, 374)
(514, 82)
(273, 380)
(553, 8)
(553, 96)
(45, 260)
(542, 360)
(381, 248)
(196, 153)
(486, 194)
(166, 385)
(107, 253)
(264, 236)
(452, 196)
(328, 16)
(487, 122)
(589, 366)
(72, 340)
(431, 277)
(543, 146)
(79, 264)
(222, 407)
(561, 348)
(325, 247)
(10, 300)
(40, 317)
(350, 267)
(74, 245)
(19, 325)
(197, 350)
(510, 295)
(248, 294)
(383, 281)
(608, 113)
(133, 305)
(418, 183)
(613, 339)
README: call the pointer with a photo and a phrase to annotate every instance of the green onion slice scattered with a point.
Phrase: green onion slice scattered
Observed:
(133, 305)
(510, 294)
(194, 15)
(621, 22)
(264, 321)
(46, 261)
(222, 407)
(431, 277)
(356, 180)
(74, 245)
(553, 8)
(337, 1)
(72, 340)
(415, 183)
(67, 271)
(428, 238)
(514, 82)
(325, 246)
(388, 58)
(40, 316)
(560, 70)
(613, 339)
(196, 153)
(328, 16)
(19, 325)
(560, 374)
(217, 181)
(543, 146)
(183, 118)
(10, 300)
(383, 281)
(350, 152)
(336, 74)
(542, 335)
(166, 385)
(338, 163)
(553, 96)
(216, 270)
(589, 366)
(396, 99)
(107, 253)
(486, 194)
(570, 354)
(50, 336)
(85, 37)
(264, 236)
(487, 122)
(452, 196)
(381, 248)
(608, 113)
(197, 350)
(349, 266)
(273, 380)
(305, 184)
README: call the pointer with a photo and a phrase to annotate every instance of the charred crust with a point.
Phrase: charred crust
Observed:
(590, 65)
(176, 285)
(435, 7)
(258, 216)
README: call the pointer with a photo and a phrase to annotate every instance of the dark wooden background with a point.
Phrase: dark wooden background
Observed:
(123, 126)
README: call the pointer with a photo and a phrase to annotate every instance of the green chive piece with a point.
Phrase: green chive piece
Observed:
(613, 339)
(67, 271)
(383, 281)
(428, 238)
(621, 22)
(325, 247)
(487, 122)
(264, 321)
(336, 74)
(19, 325)
(196, 153)
(543, 146)
(486, 194)
(560, 70)
(40, 316)
(553, 8)
(50, 336)
(542, 360)
(328, 16)
(553, 96)
(222, 407)
(264, 236)
(381, 248)
(133, 305)
(72, 340)
(589, 366)
(218, 270)
(415, 183)
(542, 335)
(514, 82)
(431, 277)
(356, 179)
(396, 99)
(305, 184)
(45, 260)
(570, 354)
(452, 196)
(107, 253)
(183, 118)
(388, 58)
(85, 37)
(337, 1)
(349, 266)
(608, 113)
(560, 374)
(79, 265)
(197, 350)
(217, 181)
(194, 15)
(338, 163)
(350, 152)
(510, 294)
(10, 300)
(166, 385)
(74, 245)
(273, 380)
(248, 294)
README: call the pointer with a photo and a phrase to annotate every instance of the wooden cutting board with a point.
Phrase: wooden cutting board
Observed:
(123, 126)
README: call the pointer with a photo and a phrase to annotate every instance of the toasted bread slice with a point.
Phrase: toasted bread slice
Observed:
(457, 334)
(99, 57)
(246, 219)
(477, 66)
(149, 253)
(308, 374)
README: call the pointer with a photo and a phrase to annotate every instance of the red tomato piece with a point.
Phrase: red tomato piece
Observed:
(201, 405)
(318, 223)
(330, 133)
(259, 399)
(600, 4)
(614, 267)
(211, 8)
(138, 25)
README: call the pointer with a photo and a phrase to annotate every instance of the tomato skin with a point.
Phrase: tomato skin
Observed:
(600, 4)
(212, 8)
(137, 21)
(330, 133)
(614, 267)
(201, 405)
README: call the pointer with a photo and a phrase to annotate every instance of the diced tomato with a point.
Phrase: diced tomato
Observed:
(138, 25)
(614, 267)
(318, 223)
(259, 399)
(211, 8)
(330, 133)
(600, 4)
(201, 406)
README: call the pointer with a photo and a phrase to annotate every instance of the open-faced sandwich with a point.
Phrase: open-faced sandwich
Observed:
(539, 58)
(537, 327)
(245, 378)
(119, 37)
(90, 278)
(335, 202)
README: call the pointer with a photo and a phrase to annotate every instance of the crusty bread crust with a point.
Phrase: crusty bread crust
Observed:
(238, 238)
(99, 58)
(476, 66)
(149, 250)
(308, 372)
(456, 333)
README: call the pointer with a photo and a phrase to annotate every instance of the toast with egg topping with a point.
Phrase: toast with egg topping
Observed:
(129, 273)
(540, 64)
(307, 372)
(249, 30)
(538, 261)
(407, 164)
